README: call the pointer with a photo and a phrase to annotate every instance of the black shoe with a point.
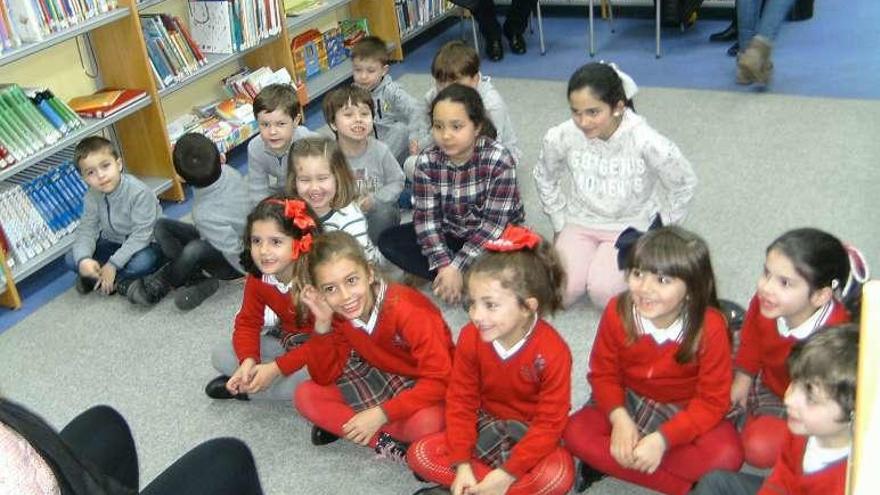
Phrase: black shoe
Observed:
(433, 490)
(151, 289)
(517, 43)
(728, 34)
(322, 437)
(124, 287)
(585, 477)
(84, 285)
(216, 389)
(494, 50)
(191, 296)
(733, 50)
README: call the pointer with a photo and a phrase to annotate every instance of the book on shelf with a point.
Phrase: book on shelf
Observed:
(353, 30)
(172, 53)
(412, 14)
(105, 102)
(30, 21)
(229, 26)
(31, 120)
(294, 8)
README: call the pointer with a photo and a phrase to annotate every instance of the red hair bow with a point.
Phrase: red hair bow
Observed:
(302, 246)
(298, 213)
(514, 238)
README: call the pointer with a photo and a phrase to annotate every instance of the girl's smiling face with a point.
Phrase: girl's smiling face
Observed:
(315, 183)
(594, 117)
(497, 312)
(271, 249)
(346, 286)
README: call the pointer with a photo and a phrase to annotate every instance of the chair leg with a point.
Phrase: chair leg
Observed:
(476, 35)
(610, 15)
(590, 35)
(540, 27)
(657, 28)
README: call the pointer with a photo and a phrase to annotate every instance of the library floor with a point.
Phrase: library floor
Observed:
(767, 162)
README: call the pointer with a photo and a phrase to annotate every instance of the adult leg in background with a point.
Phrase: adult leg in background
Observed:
(222, 466)
(101, 436)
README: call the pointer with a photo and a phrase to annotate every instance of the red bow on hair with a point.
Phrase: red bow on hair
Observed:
(302, 246)
(298, 213)
(514, 238)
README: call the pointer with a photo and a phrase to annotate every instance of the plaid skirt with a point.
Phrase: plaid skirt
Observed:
(496, 438)
(364, 386)
(648, 414)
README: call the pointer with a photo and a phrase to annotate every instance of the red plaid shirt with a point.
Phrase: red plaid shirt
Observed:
(473, 201)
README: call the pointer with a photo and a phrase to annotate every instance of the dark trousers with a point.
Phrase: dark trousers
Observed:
(400, 246)
(517, 18)
(728, 483)
(189, 254)
(216, 467)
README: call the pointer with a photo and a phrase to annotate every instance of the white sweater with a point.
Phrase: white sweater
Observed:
(613, 184)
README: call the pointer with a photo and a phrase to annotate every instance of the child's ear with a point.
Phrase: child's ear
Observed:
(820, 297)
(222, 158)
(532, 304)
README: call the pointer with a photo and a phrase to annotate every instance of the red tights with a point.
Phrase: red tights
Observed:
(554, 475)
(588, 437)
(762, 439)
(325, 407)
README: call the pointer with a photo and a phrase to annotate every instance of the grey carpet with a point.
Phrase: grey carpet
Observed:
(766, 163)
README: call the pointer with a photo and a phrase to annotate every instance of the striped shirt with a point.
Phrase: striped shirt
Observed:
(350, 220)
(473, 201)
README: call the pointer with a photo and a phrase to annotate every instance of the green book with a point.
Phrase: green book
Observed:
(18, 130)
(32, 115)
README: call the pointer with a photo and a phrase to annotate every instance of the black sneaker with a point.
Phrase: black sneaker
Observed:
(216, 389)
(433, 490)
(84, 285)
(191, 296)
(585, 477)
(124, 287)
(150, 289)
(321, 436)
(389, 448)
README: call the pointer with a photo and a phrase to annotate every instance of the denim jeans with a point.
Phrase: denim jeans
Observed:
(144, 262)
(751, 20)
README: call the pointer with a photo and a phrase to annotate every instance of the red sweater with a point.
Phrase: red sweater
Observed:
(701, 386)
(788, 477)
(410, 339)
(762, 349)
(249, 323)
(532, 386)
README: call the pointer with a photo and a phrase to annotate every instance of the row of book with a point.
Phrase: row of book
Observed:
(412, 14)
(229, 26)
(30, 21)
(31, 120)
(40, 206)
(173, 53)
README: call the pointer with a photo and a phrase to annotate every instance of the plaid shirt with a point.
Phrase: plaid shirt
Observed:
(473, 201)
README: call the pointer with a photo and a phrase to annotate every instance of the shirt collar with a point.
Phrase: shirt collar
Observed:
(281, 286)
(369, 325)
(806, 328)
(506, 353)
(672, 333)
(817, 458)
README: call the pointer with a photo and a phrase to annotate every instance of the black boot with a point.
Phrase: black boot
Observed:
(585, 477)
(152, 288)
(194, 294)
(321, 436)
(494, 49)
(728, 34)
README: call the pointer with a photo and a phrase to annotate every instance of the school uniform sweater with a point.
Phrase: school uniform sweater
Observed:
(420, 128)
(532, 386)
(351, 220)
(788, 476)
(394, 108)
(220, 212)
(126, 216)
(410, 338)
(267, 170)
(378, 171)
(613, 184)
(763, 349)
(260, 293)
(701, 386)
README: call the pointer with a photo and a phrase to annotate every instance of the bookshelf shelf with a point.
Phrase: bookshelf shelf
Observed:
(141, 6)
(215, 60)
(92, 126)
(55, 38)
(297, 22)
(412, 33)
(326, 81)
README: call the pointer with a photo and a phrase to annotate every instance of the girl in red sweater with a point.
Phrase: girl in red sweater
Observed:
(806, 272)
(381, 354)
(660, 372)
(510, 393)
(278, 234)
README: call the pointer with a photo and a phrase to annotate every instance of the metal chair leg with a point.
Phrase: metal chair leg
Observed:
(657, 28)
(590, 35)
(611, 16)
(476, 35)
(540, 27)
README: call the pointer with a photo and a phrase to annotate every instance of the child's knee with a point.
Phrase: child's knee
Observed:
(762, 440)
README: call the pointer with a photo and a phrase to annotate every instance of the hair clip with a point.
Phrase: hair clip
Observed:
(514, 238)
(301, 246)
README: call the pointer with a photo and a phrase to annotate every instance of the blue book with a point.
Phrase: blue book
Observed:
(159, 61)
(56, 183)
(43, 207)
(57, 196)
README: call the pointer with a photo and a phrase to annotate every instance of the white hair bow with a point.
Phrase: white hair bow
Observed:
(629, 85)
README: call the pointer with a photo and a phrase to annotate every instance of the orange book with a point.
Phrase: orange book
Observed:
(105, 102)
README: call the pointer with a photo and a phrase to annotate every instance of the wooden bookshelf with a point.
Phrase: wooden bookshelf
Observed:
(9, 296)
(382, 19)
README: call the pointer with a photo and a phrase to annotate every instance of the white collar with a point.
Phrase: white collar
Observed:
(506, 353)
(817, 458)
(281, 286)
(672, 333)
(369, 325)
(806, 328)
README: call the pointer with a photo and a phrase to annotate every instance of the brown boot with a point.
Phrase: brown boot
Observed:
(754, 63)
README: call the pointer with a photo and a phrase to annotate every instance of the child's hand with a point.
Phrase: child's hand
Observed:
(363, 425)
(464, 479)
(241, 379)
(106, 278)
(495, 483)
(414, 147)
(323, 313)
(624, 437)
(263, 376)
(739, 391)
(649, 452)
(366, 203)
(89, 268)
(448, 283)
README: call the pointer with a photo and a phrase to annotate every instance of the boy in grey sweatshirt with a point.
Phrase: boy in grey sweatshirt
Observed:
(113, 243)
(208, 250)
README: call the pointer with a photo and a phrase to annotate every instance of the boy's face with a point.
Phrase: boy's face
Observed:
(816, 414)
(471, 81)
(101, 171)
(276, 129)
(354, 122)
(368, 73)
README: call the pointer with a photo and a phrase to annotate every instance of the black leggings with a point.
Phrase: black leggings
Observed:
(216, 467)
(400, 245)
(189, 253)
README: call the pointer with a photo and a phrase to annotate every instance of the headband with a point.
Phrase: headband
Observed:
(629, 85)
(514, 238)
(296, 211)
